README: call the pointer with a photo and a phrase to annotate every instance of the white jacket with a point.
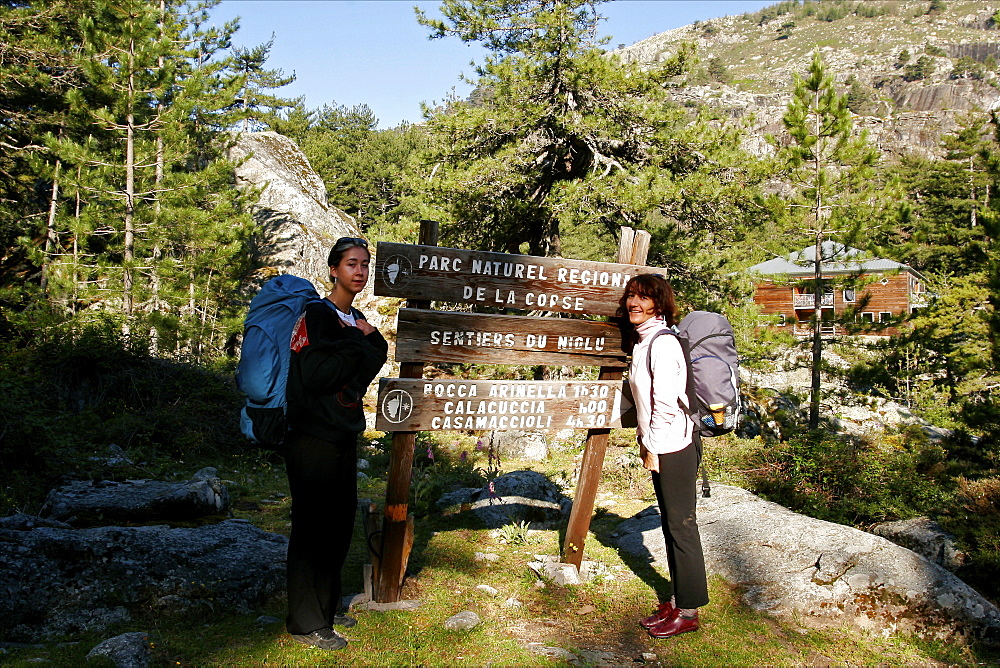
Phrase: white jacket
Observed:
(665, 426)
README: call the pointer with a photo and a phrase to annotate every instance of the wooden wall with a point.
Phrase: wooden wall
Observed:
(890, 293)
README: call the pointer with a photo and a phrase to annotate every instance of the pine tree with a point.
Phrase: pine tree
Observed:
(942, 232)
(831, 170)
(36, 71)
(564, 143)
(258, 109)
(989, 408)
(124, 44)
(150, 216)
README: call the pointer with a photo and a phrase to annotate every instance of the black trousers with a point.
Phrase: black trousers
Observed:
(323, 477)
(676, 487)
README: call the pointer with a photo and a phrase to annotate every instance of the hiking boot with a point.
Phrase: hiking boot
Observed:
(344, 620)
(324, 638)
(663, 612)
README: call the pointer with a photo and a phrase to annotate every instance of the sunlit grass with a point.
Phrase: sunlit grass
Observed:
(596, 622)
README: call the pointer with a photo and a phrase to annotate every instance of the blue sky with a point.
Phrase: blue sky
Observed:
(373, 52)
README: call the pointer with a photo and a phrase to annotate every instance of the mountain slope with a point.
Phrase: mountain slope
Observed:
(748, 62)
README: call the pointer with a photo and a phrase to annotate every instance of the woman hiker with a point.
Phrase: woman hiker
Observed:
(335, 356)
(666, 445)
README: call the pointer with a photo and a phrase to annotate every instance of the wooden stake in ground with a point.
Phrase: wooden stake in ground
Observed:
(632, 249)
(397, 528)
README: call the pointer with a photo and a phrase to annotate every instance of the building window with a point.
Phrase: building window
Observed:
(782, 320)
(849, 295)
(918, 287)
(884, 316)
(884, 281)
(867, 316)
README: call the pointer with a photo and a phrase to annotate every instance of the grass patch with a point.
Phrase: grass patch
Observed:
(526, 623)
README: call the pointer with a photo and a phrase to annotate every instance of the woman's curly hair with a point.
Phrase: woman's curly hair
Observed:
(657, 288)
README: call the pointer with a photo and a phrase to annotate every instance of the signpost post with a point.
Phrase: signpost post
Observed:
(397, 526)
(498, 281)
(597, 439)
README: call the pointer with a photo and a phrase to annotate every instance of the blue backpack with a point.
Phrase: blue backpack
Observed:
(263, 368)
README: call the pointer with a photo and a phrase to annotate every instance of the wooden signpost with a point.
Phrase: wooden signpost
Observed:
(500, 280)
(447, 404)
(408, 404)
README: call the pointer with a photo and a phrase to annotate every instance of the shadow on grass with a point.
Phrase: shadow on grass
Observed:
(642, 564)
(603, 527)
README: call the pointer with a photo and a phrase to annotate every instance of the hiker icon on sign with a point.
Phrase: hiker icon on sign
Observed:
(397, 406)
(396, 271)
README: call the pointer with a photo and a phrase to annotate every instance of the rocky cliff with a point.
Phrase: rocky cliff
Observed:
(296, 224)
(747, 65)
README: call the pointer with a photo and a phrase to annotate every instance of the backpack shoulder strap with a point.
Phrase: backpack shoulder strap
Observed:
(706, 490)
(687, 365)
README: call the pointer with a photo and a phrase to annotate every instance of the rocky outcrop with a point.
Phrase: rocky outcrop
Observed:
(518, 496)
(531, 445)
(925, 537)
(780, 394)
(128, 650)
(86, 502)
(904, 115)
(819, 573)
(296, 224)
(70, 572)
(58, 581)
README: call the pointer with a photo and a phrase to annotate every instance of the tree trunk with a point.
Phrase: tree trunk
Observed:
(129, 254)
(51, 234)
(817, 338)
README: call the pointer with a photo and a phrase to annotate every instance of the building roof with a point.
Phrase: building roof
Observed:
(836, 258)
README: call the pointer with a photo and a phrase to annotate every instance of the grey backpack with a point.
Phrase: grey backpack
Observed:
(713, 387)
(714, 372)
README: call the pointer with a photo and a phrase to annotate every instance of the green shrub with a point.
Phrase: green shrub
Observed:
(921, 69)
(973, 518)
(440, 468)
(68, 398)
(839, 479)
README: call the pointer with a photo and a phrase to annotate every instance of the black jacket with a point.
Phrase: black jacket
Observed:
(330, 369)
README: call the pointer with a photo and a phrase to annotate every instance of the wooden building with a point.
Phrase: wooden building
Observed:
(876, 289)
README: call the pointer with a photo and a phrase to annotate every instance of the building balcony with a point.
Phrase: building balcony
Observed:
(808, 301)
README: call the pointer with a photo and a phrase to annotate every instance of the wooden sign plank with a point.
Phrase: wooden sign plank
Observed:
(480, 338)
(407, 404)
(501, 280)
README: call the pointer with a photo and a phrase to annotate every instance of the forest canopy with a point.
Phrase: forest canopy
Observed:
(116, 197)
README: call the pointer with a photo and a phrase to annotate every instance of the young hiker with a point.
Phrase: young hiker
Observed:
(666, 446)
(335, 356)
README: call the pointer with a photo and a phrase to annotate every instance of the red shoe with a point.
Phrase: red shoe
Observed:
(674, 626)
(663, 612)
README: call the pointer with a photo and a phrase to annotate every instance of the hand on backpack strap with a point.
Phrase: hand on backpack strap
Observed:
(365, 327)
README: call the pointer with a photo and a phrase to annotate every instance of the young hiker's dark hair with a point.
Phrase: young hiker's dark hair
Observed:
(341, 246)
